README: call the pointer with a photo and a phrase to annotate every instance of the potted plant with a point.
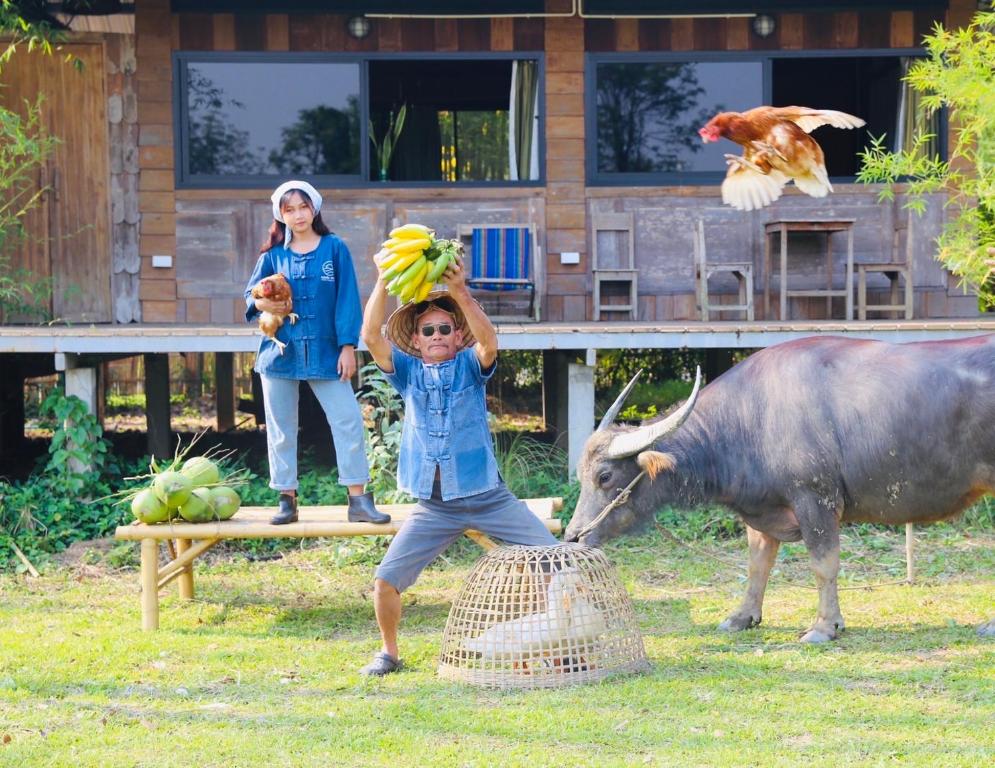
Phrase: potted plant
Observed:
(385, 148)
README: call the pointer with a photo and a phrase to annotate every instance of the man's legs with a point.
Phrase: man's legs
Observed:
(424, 535)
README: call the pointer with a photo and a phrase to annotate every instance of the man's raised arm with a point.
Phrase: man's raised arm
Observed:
(372, 332)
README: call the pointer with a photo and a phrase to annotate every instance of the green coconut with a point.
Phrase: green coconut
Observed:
(172, 488)
(225, 501)
(201, 471)
(198, 509)
(148, 508)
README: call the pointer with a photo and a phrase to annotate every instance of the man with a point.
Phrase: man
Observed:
(439, 354)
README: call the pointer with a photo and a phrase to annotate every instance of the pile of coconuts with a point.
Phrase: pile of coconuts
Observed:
(200, 489)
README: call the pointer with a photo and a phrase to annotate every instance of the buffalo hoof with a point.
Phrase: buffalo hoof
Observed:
(987, 629)
(816, 636)
(737, 623)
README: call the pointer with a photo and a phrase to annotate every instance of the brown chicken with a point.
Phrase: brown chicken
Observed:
(777, 149)
(275, 288)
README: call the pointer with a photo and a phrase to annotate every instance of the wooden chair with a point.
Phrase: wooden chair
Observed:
(503, 258)
(893, 270)
(741, 270)
(613, 261)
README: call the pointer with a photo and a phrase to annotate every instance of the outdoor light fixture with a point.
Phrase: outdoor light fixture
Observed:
(358, 26)
(763, 25)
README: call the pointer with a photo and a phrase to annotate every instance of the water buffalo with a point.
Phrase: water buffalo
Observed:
(800, 437)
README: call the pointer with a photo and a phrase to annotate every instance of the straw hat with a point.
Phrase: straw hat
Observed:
(402, 323)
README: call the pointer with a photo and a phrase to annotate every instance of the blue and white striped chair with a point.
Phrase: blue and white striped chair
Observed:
(502, 258)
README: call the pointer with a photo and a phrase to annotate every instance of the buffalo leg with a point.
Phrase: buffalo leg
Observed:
(821, 534)
(763, 552)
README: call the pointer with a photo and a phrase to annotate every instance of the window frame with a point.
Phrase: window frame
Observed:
(183, 179)
(596, 178)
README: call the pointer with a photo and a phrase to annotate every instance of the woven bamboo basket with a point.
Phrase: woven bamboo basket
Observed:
(541, 617)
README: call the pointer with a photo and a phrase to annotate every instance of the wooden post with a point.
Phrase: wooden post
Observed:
(580, 382)
(80, 382)
(150, 585)
(11, 408)
(160, 437)
(224, 389)
(910, 543)
(186, 576)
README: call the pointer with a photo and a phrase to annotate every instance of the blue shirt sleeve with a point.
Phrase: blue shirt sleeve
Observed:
(348, 313)
(264, 268)
(470, 361)
(402, 362)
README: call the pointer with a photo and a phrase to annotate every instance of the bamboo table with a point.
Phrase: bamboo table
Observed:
(194, 539)
(823, 226)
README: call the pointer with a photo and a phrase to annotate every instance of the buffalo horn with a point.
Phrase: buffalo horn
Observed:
(630, 443)
(612, 413)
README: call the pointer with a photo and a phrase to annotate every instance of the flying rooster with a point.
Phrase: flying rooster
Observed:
(777, 149)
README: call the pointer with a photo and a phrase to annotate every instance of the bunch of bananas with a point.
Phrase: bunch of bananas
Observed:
(412, 260)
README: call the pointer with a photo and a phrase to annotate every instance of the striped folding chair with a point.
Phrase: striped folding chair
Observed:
(502, 257)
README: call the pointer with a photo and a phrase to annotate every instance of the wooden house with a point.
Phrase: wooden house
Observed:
(576, 119)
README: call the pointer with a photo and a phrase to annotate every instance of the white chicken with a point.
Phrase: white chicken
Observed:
(569, 621)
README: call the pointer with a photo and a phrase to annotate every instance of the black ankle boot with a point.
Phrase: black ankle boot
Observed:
(288, 510)
(362, 510)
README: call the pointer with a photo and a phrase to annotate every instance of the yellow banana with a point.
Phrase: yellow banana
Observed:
(404, 246)
(411, 230)
(438, 267)
(388, 258)
(411, 288)
(423, 291)
(409, 274)
(406, 260)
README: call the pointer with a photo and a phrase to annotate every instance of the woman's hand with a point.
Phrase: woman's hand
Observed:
(281, 308)
(347, 362)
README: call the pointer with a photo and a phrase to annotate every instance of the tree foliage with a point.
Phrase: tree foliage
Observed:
(957, 74)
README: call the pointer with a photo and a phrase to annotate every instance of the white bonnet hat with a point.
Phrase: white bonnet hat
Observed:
(313, 194)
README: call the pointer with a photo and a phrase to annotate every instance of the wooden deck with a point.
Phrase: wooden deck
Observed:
(145, 338)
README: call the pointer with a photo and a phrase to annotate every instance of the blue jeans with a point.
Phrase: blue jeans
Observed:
(338, 401)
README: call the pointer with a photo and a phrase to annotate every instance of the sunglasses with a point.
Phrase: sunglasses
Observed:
(428, 330)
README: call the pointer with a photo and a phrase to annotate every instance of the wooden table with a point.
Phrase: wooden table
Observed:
(192, 540)
(824, 226)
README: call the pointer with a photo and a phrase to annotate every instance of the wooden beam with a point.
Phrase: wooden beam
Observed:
(185, 574)
(224, 390)
(160, 436)
(186, 557)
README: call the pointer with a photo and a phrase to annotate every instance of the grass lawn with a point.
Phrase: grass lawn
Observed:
(261, 668)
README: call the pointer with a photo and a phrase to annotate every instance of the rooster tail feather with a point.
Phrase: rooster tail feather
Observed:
(816, 184)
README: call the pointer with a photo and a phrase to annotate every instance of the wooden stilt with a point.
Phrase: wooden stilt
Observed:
(186, 573)
(224, 390)
(160, 438)
(910, 544)
(150, 585)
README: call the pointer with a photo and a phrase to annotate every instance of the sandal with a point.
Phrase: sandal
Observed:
(383, 664)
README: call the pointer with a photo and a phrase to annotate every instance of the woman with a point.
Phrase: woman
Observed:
(320, 347)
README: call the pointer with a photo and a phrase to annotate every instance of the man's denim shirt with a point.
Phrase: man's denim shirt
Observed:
(445, 425)
(326, 300)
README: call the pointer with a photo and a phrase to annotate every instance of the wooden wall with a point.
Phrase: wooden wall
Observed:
(213, 233)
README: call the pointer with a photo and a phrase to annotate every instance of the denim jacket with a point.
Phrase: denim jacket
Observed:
(445, 425)
(326, 300)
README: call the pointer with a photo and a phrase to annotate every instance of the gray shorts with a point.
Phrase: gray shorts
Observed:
(435, 524)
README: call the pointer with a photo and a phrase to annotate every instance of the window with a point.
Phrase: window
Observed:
(648, 113)
(645, 111)
(465, 120)
(253, 119)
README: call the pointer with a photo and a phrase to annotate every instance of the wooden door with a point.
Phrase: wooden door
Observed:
(69, 232)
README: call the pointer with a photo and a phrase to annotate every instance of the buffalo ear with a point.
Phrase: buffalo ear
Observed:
(654, 462)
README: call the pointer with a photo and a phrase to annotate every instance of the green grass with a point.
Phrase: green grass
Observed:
(261, 668)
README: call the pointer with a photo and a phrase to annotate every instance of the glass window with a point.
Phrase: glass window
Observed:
(465, 120)
(649, 113)
(253, 118)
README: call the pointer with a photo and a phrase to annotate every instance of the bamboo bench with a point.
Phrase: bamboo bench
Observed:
(193, 540)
